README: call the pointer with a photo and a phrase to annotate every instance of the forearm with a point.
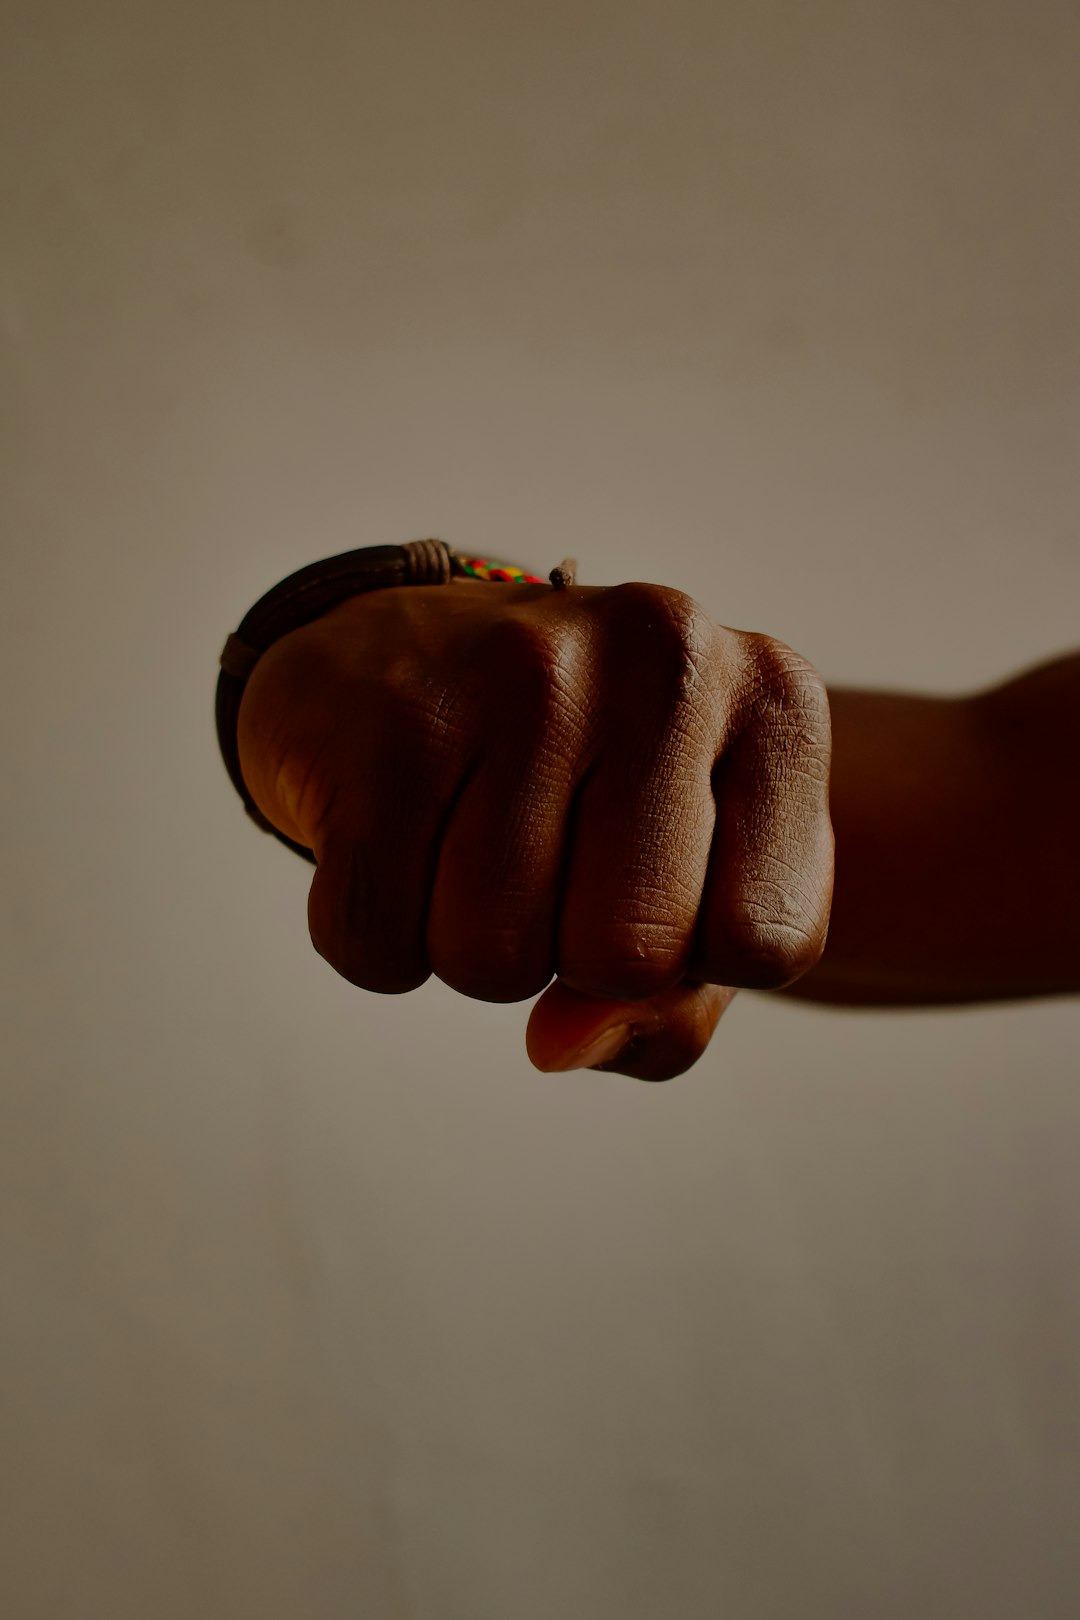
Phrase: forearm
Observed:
(957, 845)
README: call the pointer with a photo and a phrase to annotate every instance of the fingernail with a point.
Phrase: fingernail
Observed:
(605, 1047)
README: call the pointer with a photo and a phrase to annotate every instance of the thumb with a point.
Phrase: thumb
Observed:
(653, 1039)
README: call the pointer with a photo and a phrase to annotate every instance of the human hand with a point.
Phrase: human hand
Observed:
(502, 783)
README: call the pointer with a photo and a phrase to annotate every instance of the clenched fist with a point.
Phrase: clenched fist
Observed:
(505, 783)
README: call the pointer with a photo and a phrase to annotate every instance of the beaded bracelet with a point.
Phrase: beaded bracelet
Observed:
(312, 591)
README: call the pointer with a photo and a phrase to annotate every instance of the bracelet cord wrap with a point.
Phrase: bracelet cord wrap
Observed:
(312, 591)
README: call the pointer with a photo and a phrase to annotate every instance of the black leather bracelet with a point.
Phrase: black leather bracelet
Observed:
(312, 591)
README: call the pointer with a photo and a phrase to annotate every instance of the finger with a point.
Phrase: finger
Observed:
(494, 904)
(765, 906)
(376, 852)
(643, 827)
(652, 1039)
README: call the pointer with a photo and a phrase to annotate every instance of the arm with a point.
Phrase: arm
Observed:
(957, 825)
(444, 752)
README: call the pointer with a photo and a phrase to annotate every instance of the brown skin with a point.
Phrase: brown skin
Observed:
(958, 845)
(506, 784)
(501, 784)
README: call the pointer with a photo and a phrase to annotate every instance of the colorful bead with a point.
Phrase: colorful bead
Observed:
(503, 573)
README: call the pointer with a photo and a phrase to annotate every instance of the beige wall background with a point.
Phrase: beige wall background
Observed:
(318, 1304)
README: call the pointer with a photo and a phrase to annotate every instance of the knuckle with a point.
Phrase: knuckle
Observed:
(772, 953)
(383, 980)
(530, 666)
(784, 680)
(491, 964)
(667, 617)
(379, 973)
(669, 634)
(357, 924)
(789, 708)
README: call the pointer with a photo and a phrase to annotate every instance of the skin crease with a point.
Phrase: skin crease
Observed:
(599, 797)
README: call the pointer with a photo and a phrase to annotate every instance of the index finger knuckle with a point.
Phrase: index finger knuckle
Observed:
(665, 636)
